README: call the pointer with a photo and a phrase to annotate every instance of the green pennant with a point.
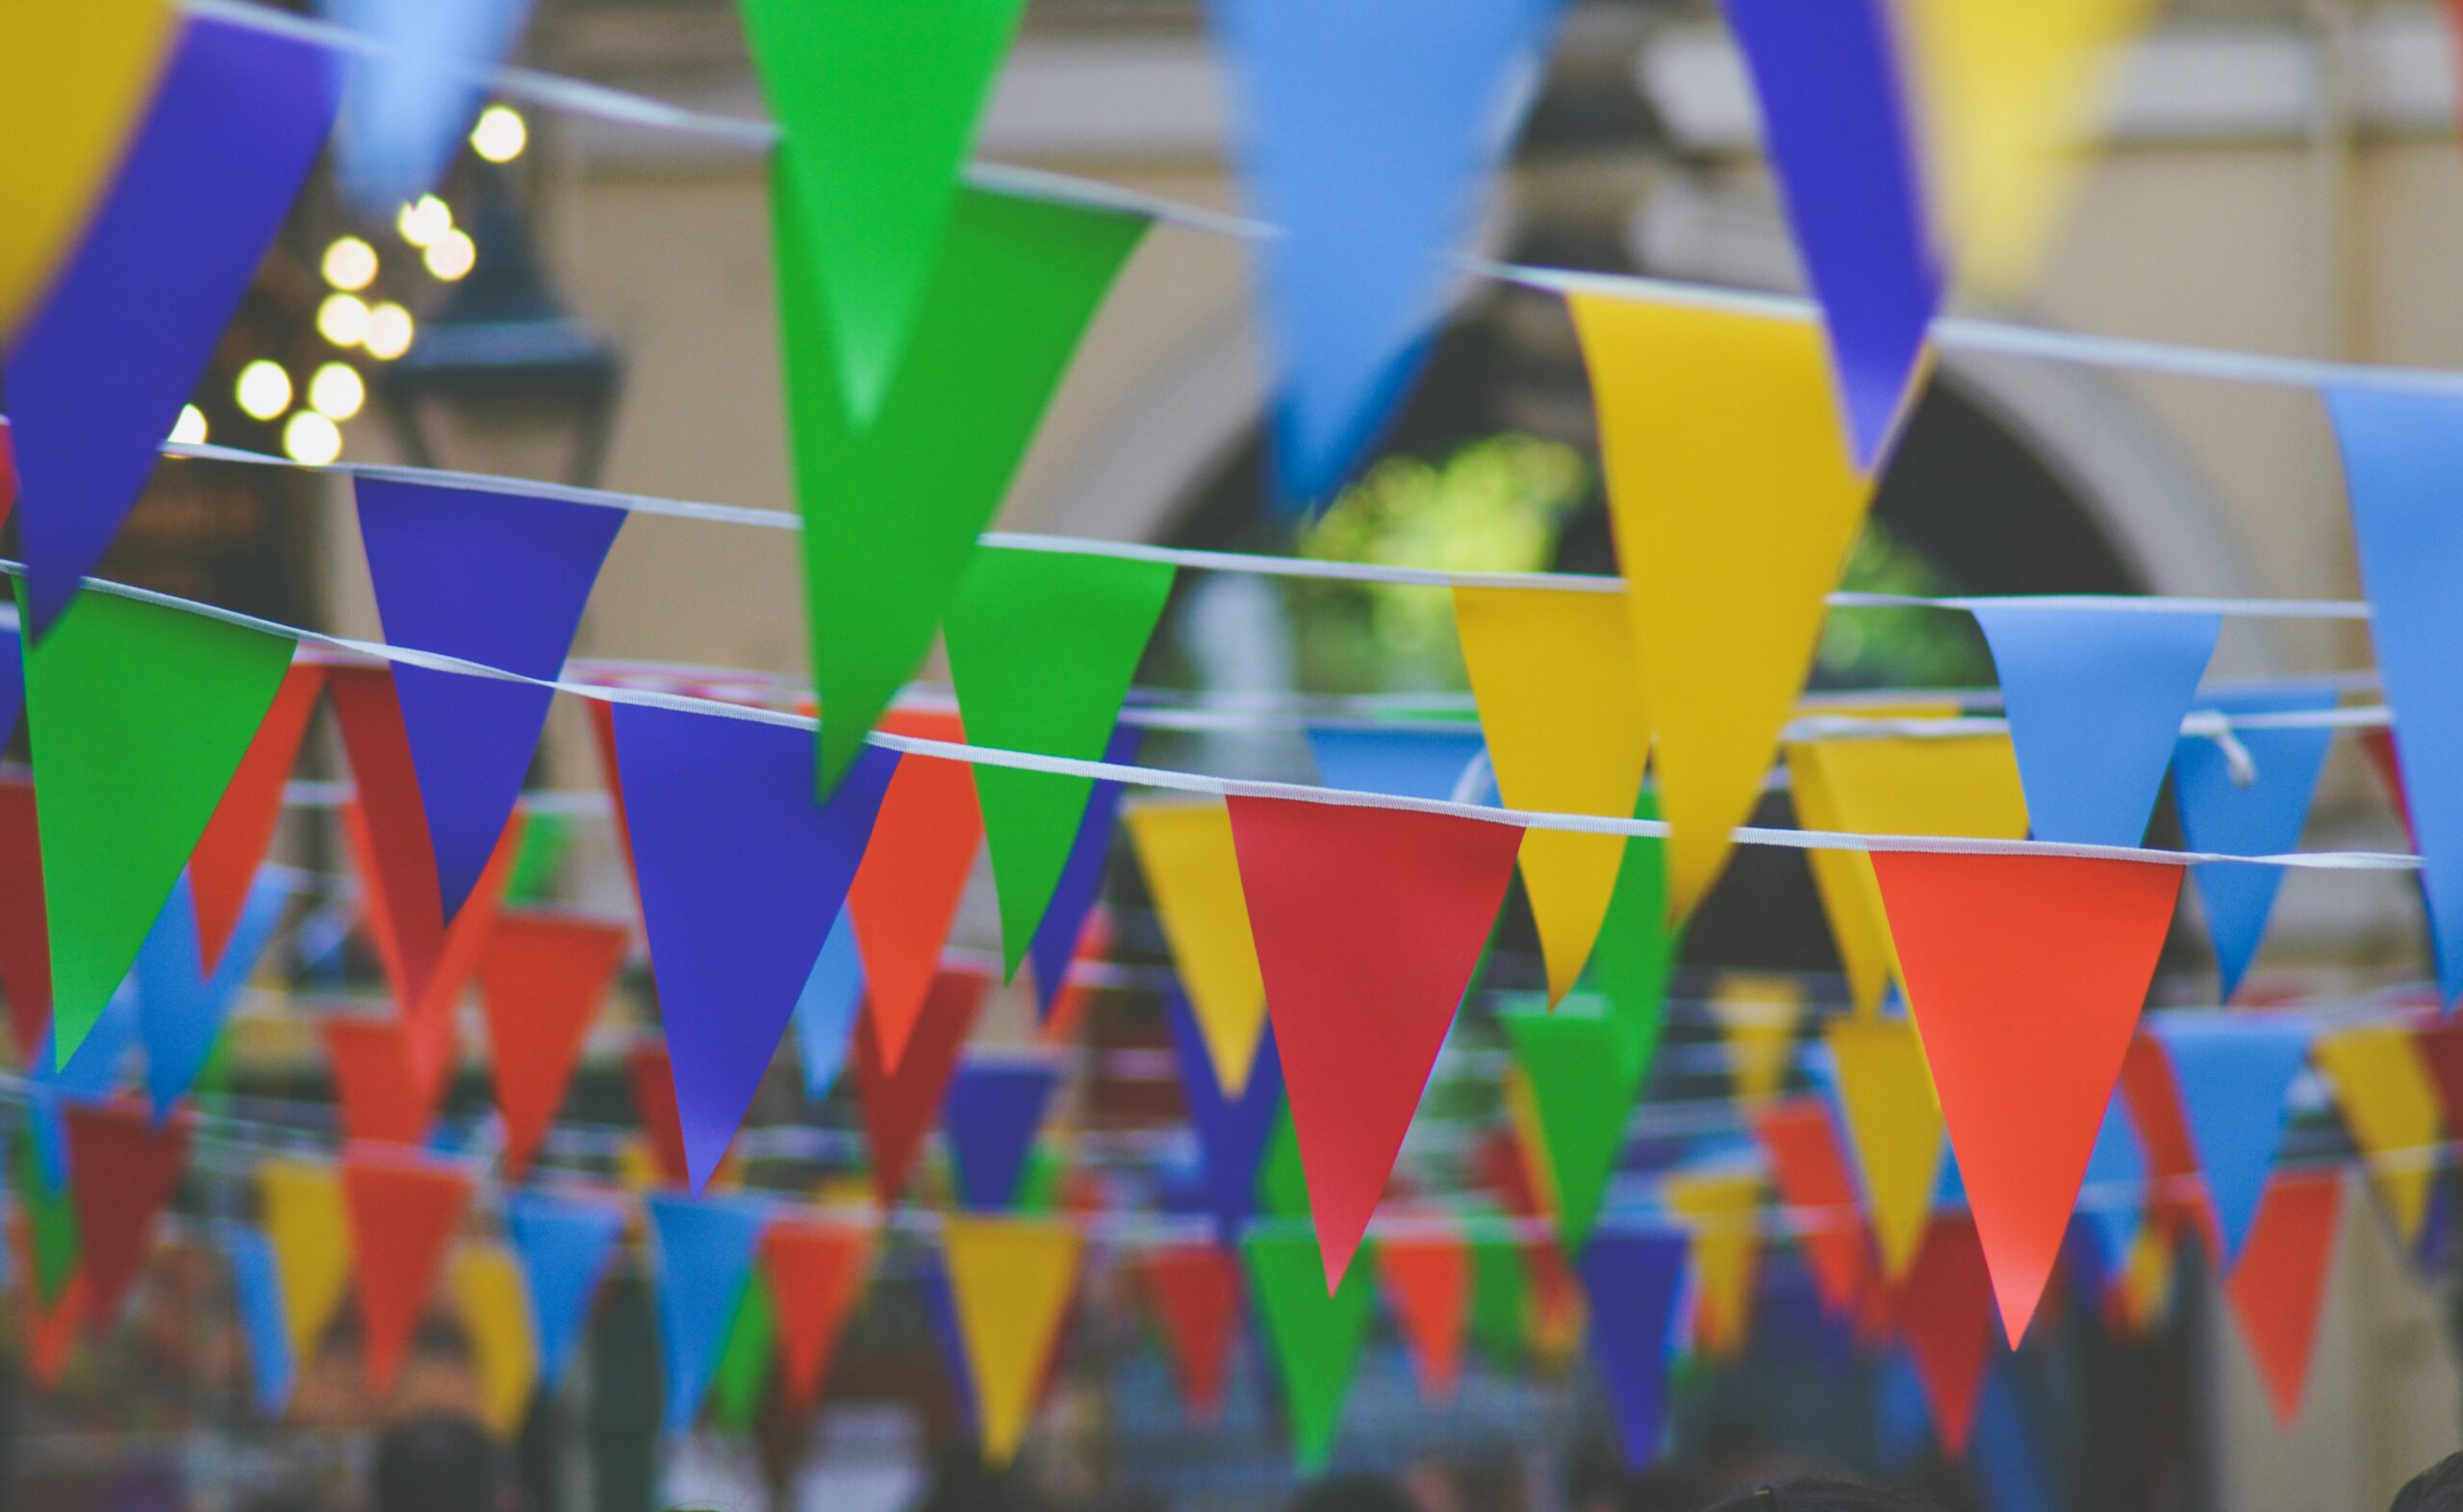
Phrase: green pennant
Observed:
(743, 1374)
(878, 103)
(1042, 646)
(1315, 1338)
(1637, 950)
(1500, 1300)
(892, 504)
(138, 716)
(1584, 1100)
(51, 1223)
(1282, 1182)
(1039, 1185)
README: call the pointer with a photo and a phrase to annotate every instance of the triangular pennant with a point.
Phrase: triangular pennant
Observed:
(2278, 1290)
(180, 1006)
(1583, 1103)
(542, 980)
(141, 713)
(906, 896)
(2441, 1051)
(2379, 746)
(900, 1106)
(1722, 1210)
(1007, 297)
(1568, 731)
(1809, 1170)
(123, 1170)
(51, 1333)
(495, 578)
(306, 1224)
(704, 1249)
(1369, 923)
(991, 1116)
(1231, 1131)
(1427, 1277)
(741, 873)
(413, 93)
(565, 1244)
(404, 1211)
(1758, 1014)
(2025, 976)
(1837, 129)
(817, 1271)
(380, 1092)
(1895, 1127)
(1030, 678)
(2232, 1076)
(2114, 1197)
(2159, 1118)
(2389, 1106)
(1944, 1311)
(1192, 868)
(1500, 1300)
(1370, 132)
(2256, 812)
(1010, 1282)
(1313, 1333)
(651, 1082)
(2095, 701)
(1412, 763)
(257, 1297)
(1196, 1293)
(826, 1010)
(743, 1372)
(1633, 1281)
(488, 1291)
(1735, 502)
(25, 939)
(223, 870)
(1068, 922)
(97, 374)
(1636, 951)
(47, 1199)
(387, 830)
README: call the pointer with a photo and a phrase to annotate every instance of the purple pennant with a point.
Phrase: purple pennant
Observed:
(740, 874)
(495, 578)
(12, 684)
(1633, 1279)
(991, 1114)
(1082, 878)
(1834, 121)
(1232, 1133)
(97, 377)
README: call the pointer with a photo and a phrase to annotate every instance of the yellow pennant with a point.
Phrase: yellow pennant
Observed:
(75, 80)
(2146, 1283)
(2390, 1105)
(1894, 1123)
(1735, 502)
(496, 1319)
(1724, 1210)
(1568, 732)
(309, 1232)
(1758, 1015)
(1529, 1139)
(2010, 92)
(1010, 1279)
(1194, 872)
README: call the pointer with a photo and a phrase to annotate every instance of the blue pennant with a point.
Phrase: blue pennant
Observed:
(564, 1246)
(706, 1248)
(2114, 1187)
(2233, 1075)
(826, 1009)
(1400, 764)
(180, 1006)
(2258, 813)
(1232, 1133)
(256, 1279)
(991, 1114)
(410, 99)
(1634, 1279)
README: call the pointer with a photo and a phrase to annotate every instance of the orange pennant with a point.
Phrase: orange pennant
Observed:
(1428, 1284)
(1944, 1312)
(1196, 1290)
(404, 1212)
(1810, 1171)
(384, 1098)
(2280, 1286)
(224, 864)
(905, 896)
(51, 1328)
(816, 1270)
(542, 980)
(2175, 1199)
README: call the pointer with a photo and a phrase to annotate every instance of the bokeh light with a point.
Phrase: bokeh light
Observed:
(264, 390)
(309, 438)
(337, 392)
(350, 263)
(501, 134)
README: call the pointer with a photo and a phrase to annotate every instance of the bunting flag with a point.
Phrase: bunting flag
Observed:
(2441, 1051)
(222, 868)
(745, 1359)
(1568, 731)
(2161, 1120)
(142, 713)
(650, 1082)
(899, 1107)
(1050, 684)
(905, 896)
(404, 1211)
(2257, 813)
(1758, 1014)
(1722, 1210)
(1411, 762)
(495, 578)
(740, 874)
(542, 980)
(1369, 133)
(180, 1005)
(1636, 951)
(1944, 1315)
(1834, 124)
(414, 91)
(1006, 298)
(2096, 702)
(2114, 1198)
(1196, 1293)
(2232, 1076)
(382, 1095)
(1193, 870)
(1427, 1278)
(1231, 1131)
(991, 1116)
(1583, 1103)
(25, 939)
(2025, 976)
(826, 1009)
(817, 1273)
(2391, 1108)
(1895, 1127)
(1068, 920)
(387, 830)
(1634, 1280)
(2278, 1291)
(1313, 1333)
(308, 1227)
(1500, 1300)
(1810, 1170)
(704, 1249)
(123, 1173)
(1369, 923)
(564, 1246)
(1735, 501)
(488, 1292)
(2379, 746)
(256, 1284)
(1010, 1283)
(100, 367)
(51, 1333)
(2403, 451)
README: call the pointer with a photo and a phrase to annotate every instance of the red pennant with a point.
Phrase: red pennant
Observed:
(905, 896)
(1428, 1284)
(377, 1080)
(2164, 1131)
(602, 735)
(2279, 1285)
(388, 830)
(2025, 976)
(122, 1172)
(1368, 925)
(7, 471)
(900, 1106)
(1076, 993)
(51, 1330)
(542, 979)
(817, 1274)
(224, 864)
(2379, 744)
(1815, 1182)
(652, 1082)
(434, 1019)
(404, 1212)
(1944, 1313)
(25, 939)
(1196, 1290)
(2441, 1046)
